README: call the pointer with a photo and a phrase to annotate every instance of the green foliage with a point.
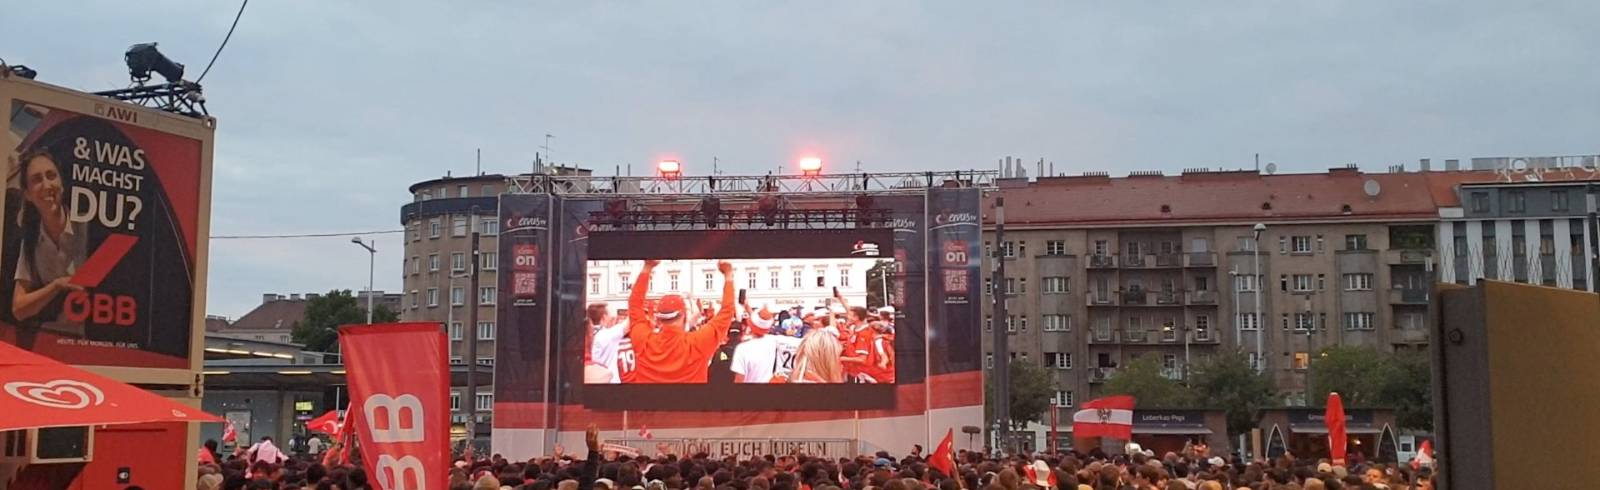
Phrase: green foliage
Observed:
(1226, 381)
(1142, 378)
(1032, 388)
(319, 329)
(1365, 377)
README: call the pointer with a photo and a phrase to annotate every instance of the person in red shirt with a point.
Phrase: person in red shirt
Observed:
(857, 344)
(664, 351)
(880, 355)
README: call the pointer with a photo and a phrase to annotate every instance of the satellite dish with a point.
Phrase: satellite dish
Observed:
(1371, 187)
(1272, 168)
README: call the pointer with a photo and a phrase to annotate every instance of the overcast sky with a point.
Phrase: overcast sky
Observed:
(328, 110)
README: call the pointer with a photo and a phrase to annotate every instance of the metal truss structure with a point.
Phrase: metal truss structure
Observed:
(662, 187)
(182, 97)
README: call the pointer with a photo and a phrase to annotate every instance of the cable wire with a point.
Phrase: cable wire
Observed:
(304, 235)
(224, 41)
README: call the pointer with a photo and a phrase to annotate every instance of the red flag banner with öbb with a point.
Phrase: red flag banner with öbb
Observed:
(399, 383)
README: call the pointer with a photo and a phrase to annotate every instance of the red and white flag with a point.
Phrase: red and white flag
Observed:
(327, 423)
(1111, 416)
(644, 432)
(399, 377)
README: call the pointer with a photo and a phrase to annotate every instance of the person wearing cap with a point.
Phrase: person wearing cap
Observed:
(858, 340)
(760, 356)
(664, 351)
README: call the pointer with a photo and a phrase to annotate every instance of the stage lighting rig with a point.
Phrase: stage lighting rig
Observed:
(145, 58)
(177, 95)
(711, 207)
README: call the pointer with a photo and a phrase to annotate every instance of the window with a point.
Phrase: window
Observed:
(458, 226)
(988, 360)
(414, 231)
(594, 284)
(1480, 202)
(672, 281)
(1547, 246)
(1519, 246)
(988, 285)
(988, 323)
(750, 282)
(1169, 331)
(1063, 399)
(1202, 328)
(486, 361)
(1055, 247)
(1355, 242)
(1249, 321)
(1058, 360)
(455, 401)
(458, 262)
(1301, 244)
(711, 281)
(1245, 244)
(1133, 248)
(1283, 245)
(772, 279)
(1169, 365)
(1102, 329)
(424, 195)
(416, 265)
(433, 262)
(1283, 282)
(491, 260)
(1321, 247)
(1558, 201)
(1057, 323)
(458, 296)
(1056, 285)
(1302, 360)
(486, 295)
(489, 226)
(844, 278)
(797, 278)
(1011, 323)
(485, 402)
(1101, 247)
(1302, 282)
(1202, 283)
(1517, 201)
(485, 330)
(1322, 282)
(1255, 360)
(1410, 321)
(822, 276)
(463, 191)
(1303, 321)
(1358, 282)
(415, 301)
(1008, 249)
(433, 228)
(433, 297)
(1245, 283)
(1022, 324)
(486, 190)
(1358, 321)
(455, 331)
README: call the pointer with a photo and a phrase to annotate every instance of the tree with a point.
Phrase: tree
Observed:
(1356, 373)
(1226, 381)
(877, 276)
(318, 330)
(1408, 388)
(1032, 388)
(1143, 379)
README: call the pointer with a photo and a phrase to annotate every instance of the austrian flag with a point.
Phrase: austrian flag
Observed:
(1111, 416)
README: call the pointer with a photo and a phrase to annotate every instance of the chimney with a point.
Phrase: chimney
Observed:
(294, 296)
(269, 297)
(1452, 164)
(1425, 164)
(313, 295)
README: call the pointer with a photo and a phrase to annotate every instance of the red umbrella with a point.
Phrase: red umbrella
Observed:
(1334, 418)
(37, 391)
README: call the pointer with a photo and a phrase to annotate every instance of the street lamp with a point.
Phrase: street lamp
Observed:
(1182, 330)
(1261, 361)
(372, 260)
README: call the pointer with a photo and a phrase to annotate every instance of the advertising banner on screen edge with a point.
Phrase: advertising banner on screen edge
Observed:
(522, 344)
(101, 222)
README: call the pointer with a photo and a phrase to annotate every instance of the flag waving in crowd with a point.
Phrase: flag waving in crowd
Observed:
(1111, 416)
(327, 423)
(943, 457)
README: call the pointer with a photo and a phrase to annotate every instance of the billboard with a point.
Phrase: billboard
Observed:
(99, 252)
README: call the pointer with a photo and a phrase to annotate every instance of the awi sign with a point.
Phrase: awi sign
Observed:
(399, 383)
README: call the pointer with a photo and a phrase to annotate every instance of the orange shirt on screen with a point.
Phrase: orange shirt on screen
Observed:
(672, 355)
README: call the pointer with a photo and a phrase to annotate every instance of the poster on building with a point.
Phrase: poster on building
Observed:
(100, 224)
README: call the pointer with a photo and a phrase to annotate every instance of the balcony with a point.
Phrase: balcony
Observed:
(1103, 336)
(1135, 337)
(1134, 297)
(1100, 299)
(1172, 260)
(1172, 373)
(1200, 259)
(1133, 262)
(1411, 336)
(1412, 296)
(1169, 298)
(1100, 375)
(1407, 256)
(1102, 261)
(1207, 297)
(1204, 337)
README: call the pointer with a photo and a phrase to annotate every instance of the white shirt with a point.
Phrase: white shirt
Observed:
(603, 350)
(314, 445)
(759, 359)
(266, 451)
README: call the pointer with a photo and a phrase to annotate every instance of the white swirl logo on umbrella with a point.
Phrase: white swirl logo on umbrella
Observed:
(61, 393)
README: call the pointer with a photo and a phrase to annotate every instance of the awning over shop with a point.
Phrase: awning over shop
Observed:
(1319, 429)
(38, 392)
(1178, 431)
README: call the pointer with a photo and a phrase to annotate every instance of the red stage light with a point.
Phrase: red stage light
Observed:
(810, 166)
(669, 168)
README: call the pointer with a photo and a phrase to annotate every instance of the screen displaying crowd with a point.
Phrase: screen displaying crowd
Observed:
(725, 334)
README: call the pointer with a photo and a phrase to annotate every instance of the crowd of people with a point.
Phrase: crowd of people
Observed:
(263, 467)
(668, 341)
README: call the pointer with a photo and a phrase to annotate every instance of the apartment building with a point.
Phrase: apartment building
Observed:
(1103, 270)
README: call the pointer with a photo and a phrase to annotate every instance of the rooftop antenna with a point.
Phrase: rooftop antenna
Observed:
(1258, 163)
(546, 147)
(858, 166)
(480, 161)
(714, 170)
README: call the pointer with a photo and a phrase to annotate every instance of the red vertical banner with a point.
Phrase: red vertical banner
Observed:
(1334, 418)
(403, 402)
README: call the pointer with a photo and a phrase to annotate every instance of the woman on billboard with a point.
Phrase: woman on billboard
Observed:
(52, 245)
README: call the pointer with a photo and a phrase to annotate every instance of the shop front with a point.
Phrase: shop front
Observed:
(1164, 431)
(1304, 433)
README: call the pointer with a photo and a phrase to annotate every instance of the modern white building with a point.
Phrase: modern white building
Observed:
(780, 282)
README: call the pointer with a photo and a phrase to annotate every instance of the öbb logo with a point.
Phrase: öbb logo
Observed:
(401, 422)
(100, 308)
